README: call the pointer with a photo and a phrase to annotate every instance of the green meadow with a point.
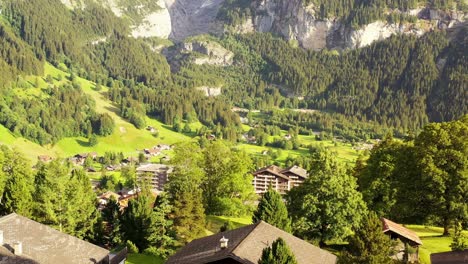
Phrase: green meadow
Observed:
(126, 137)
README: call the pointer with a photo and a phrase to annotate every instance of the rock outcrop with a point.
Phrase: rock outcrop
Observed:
(209, 53)
(210, 91)
(155, 24)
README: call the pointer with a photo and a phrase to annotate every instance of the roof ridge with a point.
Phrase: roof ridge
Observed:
(248, 234)
(8, 216)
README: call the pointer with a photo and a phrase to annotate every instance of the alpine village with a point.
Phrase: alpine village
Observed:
(233, 131)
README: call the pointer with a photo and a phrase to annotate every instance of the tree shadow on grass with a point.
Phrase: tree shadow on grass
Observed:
(83, 143)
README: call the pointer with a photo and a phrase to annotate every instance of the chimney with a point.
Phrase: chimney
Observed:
(18, 248)
(1, 237)
(224, 242)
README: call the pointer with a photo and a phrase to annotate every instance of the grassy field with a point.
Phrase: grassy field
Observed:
(127, 138)
(143, 259)
(214, 222)
(433, 241)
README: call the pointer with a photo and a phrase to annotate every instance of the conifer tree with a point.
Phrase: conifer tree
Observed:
(111, 217)
(184, 190)
(65, 200)
(272, 210)
(278, 253)
(83, 205)
(16, 183)
(137, 221)
(369, 245)
(162, 236)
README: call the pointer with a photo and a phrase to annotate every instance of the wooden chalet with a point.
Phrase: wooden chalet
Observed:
(281, 180)
(245, 245)
(408, 249)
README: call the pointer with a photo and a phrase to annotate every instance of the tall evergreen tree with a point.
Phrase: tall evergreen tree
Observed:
(369, 245)
(83, 205)
(65, 200)
(185, 193)
(278, 253)
(272, 210)
(111, 218)
(16, 183)
(162, 238)
(137, 221)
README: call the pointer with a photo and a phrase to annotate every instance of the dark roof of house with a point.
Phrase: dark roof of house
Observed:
(272, 169)
(453, 257)
(43, 244)
(246, 245)
(389, 226)
(296, 170)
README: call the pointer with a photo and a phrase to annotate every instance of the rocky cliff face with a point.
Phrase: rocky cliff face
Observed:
(293, 21)
(178, 19)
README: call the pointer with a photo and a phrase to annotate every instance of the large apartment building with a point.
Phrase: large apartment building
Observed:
(281, 180)
(156, 174)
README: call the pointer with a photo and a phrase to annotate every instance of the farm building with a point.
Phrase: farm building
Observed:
(408, 247)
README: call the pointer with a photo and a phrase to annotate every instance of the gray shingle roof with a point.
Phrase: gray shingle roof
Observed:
(246, 245)
(296, 170)
(47, 245)
(272, 169)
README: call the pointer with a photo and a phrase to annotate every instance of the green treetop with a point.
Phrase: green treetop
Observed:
(369, 245)
(278, 253)
(327, 205)
(272, 210)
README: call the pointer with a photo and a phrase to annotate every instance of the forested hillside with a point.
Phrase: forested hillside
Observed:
(399, 84)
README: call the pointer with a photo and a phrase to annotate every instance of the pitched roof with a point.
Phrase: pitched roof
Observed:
(296, 170)
(47, 245)
(275, 170)
(246, 245)
(151, 167)
(389, 226)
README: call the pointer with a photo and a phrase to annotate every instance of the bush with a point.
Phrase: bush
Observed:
(131, 247)
(93, 140)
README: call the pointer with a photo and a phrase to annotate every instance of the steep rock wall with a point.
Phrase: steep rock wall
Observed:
(294, 21)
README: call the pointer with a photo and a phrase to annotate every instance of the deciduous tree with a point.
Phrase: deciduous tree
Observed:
(327, 205)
